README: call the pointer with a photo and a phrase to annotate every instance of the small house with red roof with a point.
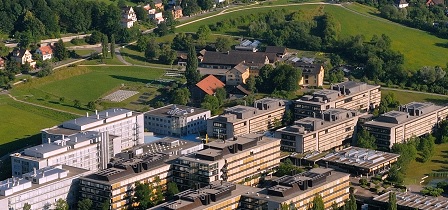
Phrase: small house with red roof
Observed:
(2, 63)
(45, 52)
(206, 86)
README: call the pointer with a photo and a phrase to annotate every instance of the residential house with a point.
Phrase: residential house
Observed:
(2, 63)
(156, 16)
(206, 86)
(23, 56)
(177, 12)
(128, 17)
(279, 51)
(45, 52)
(434, 2)
(312, 74)
(402, 4)
(158, 4)
(237, 75)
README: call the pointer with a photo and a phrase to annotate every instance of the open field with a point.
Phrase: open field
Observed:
(405, 97)
(438, 163)
(409, 41)
(109, 60)
(84, 84)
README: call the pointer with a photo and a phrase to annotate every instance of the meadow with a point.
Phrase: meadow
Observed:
(419, 48)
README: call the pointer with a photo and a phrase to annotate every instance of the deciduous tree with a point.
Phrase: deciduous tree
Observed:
(85, 204)
(366, 140)
(60, 51)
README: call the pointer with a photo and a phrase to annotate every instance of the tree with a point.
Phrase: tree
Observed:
(287, 168)
(221, 94)
(105, 205)
(366, 140)
(288, 117)
(334, 206)
(171, 190)
(60, 52)
(251, 83)
(395, 175)
(351, 202)
(392, 205)
(427, 147)
(182, 41)
(104, 44)
(61, 204)
(167, 55)
(91, 105)
(76, 103)
(4, 51)
(142, 196)
(26, 206)
(85, 204)
(203, 32)
(318, 203)
(61, 99)
(158, 104)
(112, 46)
(152, 49)
(223, 44)
(181, 96)
(211, 103)
(162, 29)
(95, 37)
(191, 72)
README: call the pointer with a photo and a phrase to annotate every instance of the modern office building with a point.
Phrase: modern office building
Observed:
(89, 150)
(142, 164)
(406, 200)
(413, 119)
(41, 188)
(334, 128)
(295, 191)
(122, 123)
(359, 161)
(241, 160)
(267, 113)
(177, 120)
(347, 95)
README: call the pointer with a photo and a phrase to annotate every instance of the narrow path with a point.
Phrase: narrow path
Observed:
(413, 91)
(42, 106)
(120, 57)
(153, 67)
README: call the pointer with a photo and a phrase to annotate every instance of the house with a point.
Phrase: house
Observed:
(177, 12)
(23, 56)
(402, 4)
(279, 51)
(158, 4)
(206, 86)
(312, 74)
(128, 17)
(228, 60)
(237, 75)
(156, 16)
(434, 2)
(2, 63)
(182, 58)
(45, 52)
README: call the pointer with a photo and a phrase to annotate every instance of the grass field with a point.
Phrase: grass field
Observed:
(405, 97)
(110, 61)
(412, 43)
(438, 163)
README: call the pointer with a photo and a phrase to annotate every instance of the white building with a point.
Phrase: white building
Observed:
(45, 52)
(122, 123)
(156, 16)
(87, 150)
(128, 17)
(41, 188)
(177, 120)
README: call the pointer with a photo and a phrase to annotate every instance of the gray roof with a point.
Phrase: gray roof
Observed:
(175, 110)
(275, 49)
(415, 201)
(235, 57)
(101, 116)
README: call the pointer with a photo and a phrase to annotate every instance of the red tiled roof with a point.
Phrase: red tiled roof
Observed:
(46, 50)
(210, 84)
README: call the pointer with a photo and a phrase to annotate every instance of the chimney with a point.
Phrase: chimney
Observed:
(97, 117)
(63, 136)
(49, 140)
(34, 170)
(87, 114)
(76, 139)
(343, 89)
(96, 112)
(75, 121)
(107, 114)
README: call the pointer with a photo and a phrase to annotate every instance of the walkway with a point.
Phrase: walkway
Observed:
(42, 106)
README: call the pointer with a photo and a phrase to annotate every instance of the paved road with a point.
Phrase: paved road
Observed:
(64, 39)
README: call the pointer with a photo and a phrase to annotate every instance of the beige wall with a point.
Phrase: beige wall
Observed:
(316, 80)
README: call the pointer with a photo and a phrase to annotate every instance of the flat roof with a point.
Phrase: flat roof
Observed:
(360, 157)
(416, 201)
(162, 146)
(176, 110)
(101, 116)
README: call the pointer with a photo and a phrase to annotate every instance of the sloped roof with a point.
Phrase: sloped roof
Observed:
(177, 8)
(275, 49)
(307, 68)
(210, 84)
(241, 67)
(46, 50)
(434, 2)
(19, 52)
(234, 57)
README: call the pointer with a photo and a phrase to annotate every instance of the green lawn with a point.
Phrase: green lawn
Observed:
(110, 61)
(438, 163)
(419, 47)
(84, 84)
(84, 52)
(405, 97)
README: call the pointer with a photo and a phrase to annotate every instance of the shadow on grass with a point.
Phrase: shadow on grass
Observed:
(131, 79)
(444, 45)
(67, 105)
(437, 101)
(140, 58)
(19, 144)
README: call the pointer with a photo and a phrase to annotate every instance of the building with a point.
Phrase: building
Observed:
(266, 114)
(177, 120)
(237, 75)
(402, 3)
(177, 12)
(296, 191)
(241, 160)
(406, 200)
(128, 17)
(434, 2)
(45, 52)
(247, 45)
(333, 129)
(23, 56)
(124, 126)
(144, 163)
(346, 95)
(155, 16)
(359, 161)
(228, 60)
(411, 120)
(312, 74)
(158, 4)
(41, 188)
(206, 86)
(2, 63)
(87, 150)
(279, 51)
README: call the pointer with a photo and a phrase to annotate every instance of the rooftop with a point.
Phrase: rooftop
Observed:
(167, 145)
(234, 57)
(415, 201)
(176, 110)
(98, 118)
(209, 84)
(360, 157)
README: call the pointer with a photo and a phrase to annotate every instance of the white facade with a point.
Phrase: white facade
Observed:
(128, 17)
(86, 150)
(41, 188)
(177, 120)
(45, 52)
